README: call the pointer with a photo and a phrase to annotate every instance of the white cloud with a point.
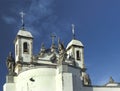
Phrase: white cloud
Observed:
(9, 20)
(40, 17)
(33, 31)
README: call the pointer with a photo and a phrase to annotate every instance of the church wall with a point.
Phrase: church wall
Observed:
(68, 78)
(77, 83)
(67, 82)
(64, 82)
(100, 89)
(59, 82)
(9, 87)
(74, 71)
(37, 79)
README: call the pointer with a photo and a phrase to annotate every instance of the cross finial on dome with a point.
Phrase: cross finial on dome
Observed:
(22, 19)
(53, 47)
(73, 31)
(53, 38)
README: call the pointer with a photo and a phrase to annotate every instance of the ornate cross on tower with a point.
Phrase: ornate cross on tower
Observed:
(73, 31)
(22, 18)
(53, 39)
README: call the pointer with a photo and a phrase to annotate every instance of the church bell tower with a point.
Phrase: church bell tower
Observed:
(23, 44)
(75, 50)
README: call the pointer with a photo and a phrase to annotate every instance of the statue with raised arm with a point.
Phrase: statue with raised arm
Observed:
(10, 64)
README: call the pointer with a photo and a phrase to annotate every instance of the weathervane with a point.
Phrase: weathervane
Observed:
(22, 18)
(73, 31)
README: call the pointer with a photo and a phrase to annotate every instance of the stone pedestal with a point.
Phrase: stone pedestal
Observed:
(9, 79)
(9, 87)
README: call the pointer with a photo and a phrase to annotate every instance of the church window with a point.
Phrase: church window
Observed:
(25, 47)
(78, 55)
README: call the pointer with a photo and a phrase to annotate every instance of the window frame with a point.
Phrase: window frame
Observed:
(25, 47)
(78, 56)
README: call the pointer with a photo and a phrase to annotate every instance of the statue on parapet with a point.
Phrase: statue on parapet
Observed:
(10, 62)
(42, 50)
(62, 53)
(86, 80)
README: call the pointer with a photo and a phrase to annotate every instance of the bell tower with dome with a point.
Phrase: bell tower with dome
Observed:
(75, 49)
(23, 44)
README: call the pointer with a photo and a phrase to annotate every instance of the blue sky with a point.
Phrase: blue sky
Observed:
(97, 25)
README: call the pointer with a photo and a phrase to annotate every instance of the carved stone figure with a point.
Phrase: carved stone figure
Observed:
(19, 66)
(42, 50)
(10, 64)
(86, 80)
(62, 53)
(53, 58)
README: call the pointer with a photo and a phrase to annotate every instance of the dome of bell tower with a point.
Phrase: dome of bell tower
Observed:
(24, 33)
(74, 42)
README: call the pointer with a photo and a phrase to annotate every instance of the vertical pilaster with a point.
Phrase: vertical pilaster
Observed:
(64, 79)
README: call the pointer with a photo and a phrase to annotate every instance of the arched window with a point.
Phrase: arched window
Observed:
(78, 55)
(25, 47)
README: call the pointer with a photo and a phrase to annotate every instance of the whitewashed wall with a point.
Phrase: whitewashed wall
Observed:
(44, 80)
(101, 89)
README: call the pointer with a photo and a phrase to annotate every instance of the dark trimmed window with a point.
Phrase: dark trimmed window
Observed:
(25, 47)
(78, 55)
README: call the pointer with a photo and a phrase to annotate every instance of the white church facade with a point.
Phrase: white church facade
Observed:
(55, 69)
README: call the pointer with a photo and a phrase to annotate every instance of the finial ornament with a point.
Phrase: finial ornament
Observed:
(53, 47)
(53, 38)
(111, 80)
(22, 18)
(73, 31)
